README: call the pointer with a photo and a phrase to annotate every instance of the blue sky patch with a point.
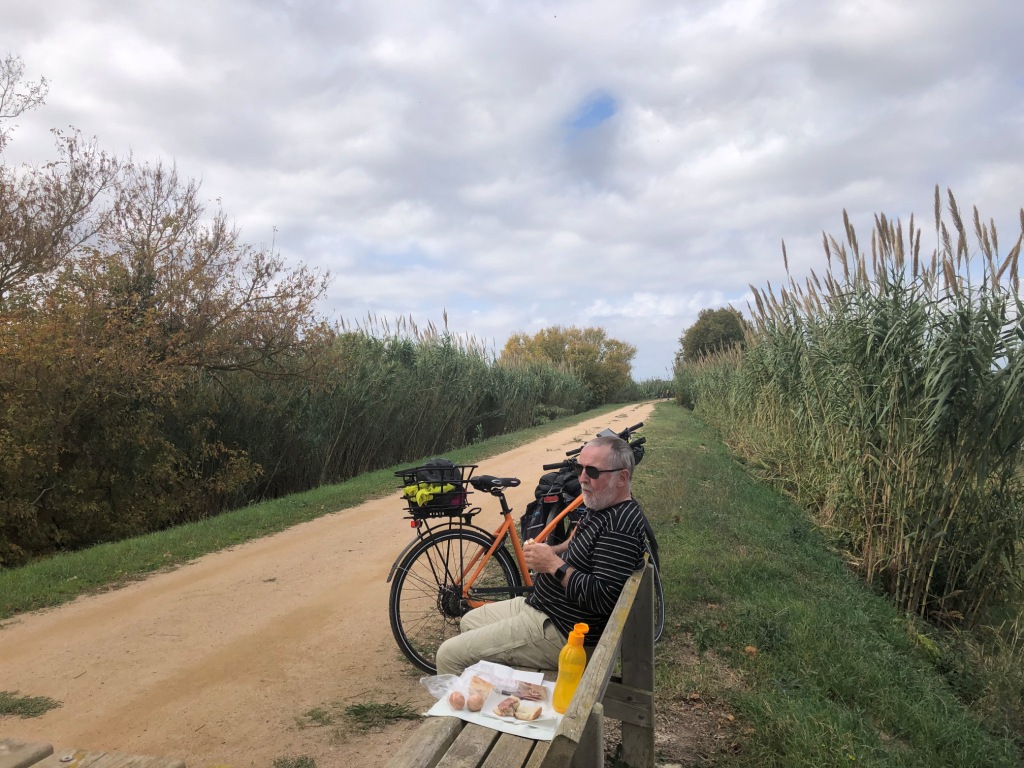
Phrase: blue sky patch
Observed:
(597, 109)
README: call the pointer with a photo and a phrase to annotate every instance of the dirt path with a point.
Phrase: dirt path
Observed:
(215, 661)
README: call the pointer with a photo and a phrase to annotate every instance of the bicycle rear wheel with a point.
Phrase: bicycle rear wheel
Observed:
(659, 605)
(426, 601)
(659, 590)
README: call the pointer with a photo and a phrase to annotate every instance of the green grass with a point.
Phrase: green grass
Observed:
(363, 716)
(318, 717)
(377, 715)
(299, 761)
(56, 580)
(25, 706)
(817, 669)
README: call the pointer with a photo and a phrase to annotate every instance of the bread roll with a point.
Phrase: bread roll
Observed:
(456, 700)
(528, 710)
(478, 685)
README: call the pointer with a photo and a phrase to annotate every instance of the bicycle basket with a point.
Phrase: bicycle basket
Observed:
(437, 488)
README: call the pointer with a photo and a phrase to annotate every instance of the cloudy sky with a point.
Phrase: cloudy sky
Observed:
(531, 163)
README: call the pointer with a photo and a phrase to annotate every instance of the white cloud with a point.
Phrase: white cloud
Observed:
(427, 143)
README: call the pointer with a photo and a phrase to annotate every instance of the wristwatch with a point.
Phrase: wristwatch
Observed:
(561, 570)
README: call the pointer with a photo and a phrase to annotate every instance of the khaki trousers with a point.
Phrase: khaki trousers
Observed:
(506, 632)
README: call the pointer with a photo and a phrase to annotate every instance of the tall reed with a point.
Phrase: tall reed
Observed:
(888, 396)
(380, 395)
(352, 400)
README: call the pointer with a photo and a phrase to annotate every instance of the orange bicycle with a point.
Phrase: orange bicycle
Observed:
(454, 565)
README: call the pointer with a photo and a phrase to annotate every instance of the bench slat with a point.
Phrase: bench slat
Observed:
(638, 673)
(21, 754)
(599, 666)
(540, 752)
(82, 758)
(630, 705)
(470, 747)
(427, 744)
(510, 751)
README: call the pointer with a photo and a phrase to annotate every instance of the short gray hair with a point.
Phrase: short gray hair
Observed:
(621, 453)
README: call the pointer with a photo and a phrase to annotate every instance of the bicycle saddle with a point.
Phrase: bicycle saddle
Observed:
(493, 485)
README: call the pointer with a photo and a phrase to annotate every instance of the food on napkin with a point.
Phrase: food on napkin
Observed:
(507, 707)
(528, 710)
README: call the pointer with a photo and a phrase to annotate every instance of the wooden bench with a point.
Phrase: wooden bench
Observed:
(448, 742)
(27, 754)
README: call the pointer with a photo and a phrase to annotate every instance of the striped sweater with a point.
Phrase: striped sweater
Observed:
(607, 547)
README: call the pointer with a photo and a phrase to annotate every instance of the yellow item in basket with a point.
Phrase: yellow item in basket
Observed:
(423, 493)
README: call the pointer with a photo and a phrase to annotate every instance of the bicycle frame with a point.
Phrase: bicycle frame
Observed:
(508, 528)
(475, 566)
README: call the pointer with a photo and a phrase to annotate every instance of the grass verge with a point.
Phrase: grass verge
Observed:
(61, 578)
(774, 653)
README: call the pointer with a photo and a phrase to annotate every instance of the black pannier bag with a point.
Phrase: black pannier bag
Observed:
(554, 492)
(439, 471)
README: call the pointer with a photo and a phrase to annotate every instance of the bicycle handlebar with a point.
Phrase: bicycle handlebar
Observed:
(557, 465)
(624, 434)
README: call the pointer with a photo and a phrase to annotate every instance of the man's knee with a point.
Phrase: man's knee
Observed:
(455, 653)
(447, 659)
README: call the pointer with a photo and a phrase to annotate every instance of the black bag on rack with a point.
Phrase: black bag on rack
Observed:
(554, 492)
(439, 471)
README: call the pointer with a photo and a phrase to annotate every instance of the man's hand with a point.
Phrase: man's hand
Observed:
(541, 558)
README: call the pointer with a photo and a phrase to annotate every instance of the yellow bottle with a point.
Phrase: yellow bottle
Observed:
(571, 662)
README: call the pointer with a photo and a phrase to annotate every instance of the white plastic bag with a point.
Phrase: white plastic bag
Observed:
(439, 686)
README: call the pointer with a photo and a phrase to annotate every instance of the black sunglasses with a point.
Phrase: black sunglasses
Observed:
(593, 472)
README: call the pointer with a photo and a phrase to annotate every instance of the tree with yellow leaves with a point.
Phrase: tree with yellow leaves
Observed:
(602, 363)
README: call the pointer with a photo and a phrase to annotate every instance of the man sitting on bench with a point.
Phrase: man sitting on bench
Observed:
(576, 581)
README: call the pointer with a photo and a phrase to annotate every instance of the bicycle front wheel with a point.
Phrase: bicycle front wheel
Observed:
(427, 601)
